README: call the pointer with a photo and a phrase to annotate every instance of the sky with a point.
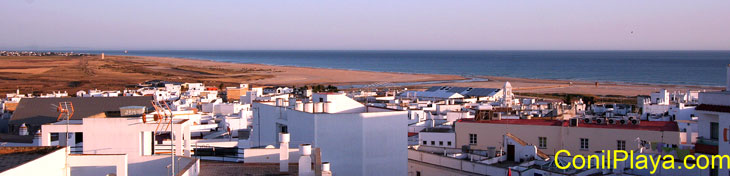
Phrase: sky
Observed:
(365, 25)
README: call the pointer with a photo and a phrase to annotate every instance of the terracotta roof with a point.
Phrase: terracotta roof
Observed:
(11, 106)
(412, 134)
(644, 125)
(11, 157)
(714, 108)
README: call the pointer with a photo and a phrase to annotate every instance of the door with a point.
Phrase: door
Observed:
(510, 152)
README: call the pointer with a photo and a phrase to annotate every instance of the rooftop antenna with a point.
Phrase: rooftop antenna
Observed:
(66, 110)
(164, 112)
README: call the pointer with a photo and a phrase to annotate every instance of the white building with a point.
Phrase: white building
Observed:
(133, 137)
(357, 139)
(437, 137)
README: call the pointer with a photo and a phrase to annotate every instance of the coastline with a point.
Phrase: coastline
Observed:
(523, 85)
(74, 73)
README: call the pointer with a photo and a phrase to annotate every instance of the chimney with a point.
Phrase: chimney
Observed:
(23, 130)
(326, 169)
(284, 152)
(305, 161)
(37, 138)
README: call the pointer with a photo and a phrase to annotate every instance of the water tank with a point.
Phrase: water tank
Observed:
(328, 107)
(308, 107)
(318, 106)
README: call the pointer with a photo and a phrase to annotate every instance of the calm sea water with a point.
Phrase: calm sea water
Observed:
(659, 67)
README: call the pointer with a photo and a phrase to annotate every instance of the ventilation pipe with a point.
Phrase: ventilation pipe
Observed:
(23, 130)
(37, 138)
(305, 161)
(284, 152)
(326, 169)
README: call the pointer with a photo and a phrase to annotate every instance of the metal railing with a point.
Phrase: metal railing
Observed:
(706, 141)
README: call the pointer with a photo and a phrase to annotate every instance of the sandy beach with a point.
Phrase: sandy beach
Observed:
(45, 74)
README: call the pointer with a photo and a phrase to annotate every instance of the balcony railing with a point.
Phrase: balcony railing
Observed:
(706, 146)
(706, 141)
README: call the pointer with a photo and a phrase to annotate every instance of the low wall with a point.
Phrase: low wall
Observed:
(265, 155)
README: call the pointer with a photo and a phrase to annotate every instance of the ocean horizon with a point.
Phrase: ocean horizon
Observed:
(704, 68)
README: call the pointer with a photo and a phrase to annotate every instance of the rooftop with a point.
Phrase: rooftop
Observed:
(713, 108)
(16, 138)
(43, 110)
(11, 157)
(644, 125)
(438, 130)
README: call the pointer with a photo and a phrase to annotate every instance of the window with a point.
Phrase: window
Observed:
(583, 144)
(425, 142)
(472, 138)
(441, 143)
(542, 142)
(418, 173)
(620, 145)
(714, 130)
(433, 142)
(448, 143)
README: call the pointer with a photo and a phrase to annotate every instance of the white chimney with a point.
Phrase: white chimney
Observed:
(284, 152)
(37, 138)
(305, 161)
(326, 166)
(23, 130)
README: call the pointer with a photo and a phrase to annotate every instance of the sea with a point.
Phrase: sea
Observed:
(705, 68)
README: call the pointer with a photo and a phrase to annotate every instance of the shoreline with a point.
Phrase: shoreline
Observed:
(528, 85)
(44, 74)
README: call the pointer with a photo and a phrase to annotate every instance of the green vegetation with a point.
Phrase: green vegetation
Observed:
(320, 88)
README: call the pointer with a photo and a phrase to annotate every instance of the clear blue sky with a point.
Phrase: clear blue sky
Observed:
(374, 24)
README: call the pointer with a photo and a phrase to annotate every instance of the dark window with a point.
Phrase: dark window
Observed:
(542, 142)
(448, 143)
(583, 144)
(433, 142)
(472, 138)
(79, 137)
(620, 145)
(441, 143)
(321, 99)
(714, 130)
(425, 142)
(418, 173)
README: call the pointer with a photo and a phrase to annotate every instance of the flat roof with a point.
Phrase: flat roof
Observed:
(437, 130)
(713, 108)
(11, 157)
(643, 125)
(43, 110)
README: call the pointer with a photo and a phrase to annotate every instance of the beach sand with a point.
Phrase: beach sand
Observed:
(46, 74)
